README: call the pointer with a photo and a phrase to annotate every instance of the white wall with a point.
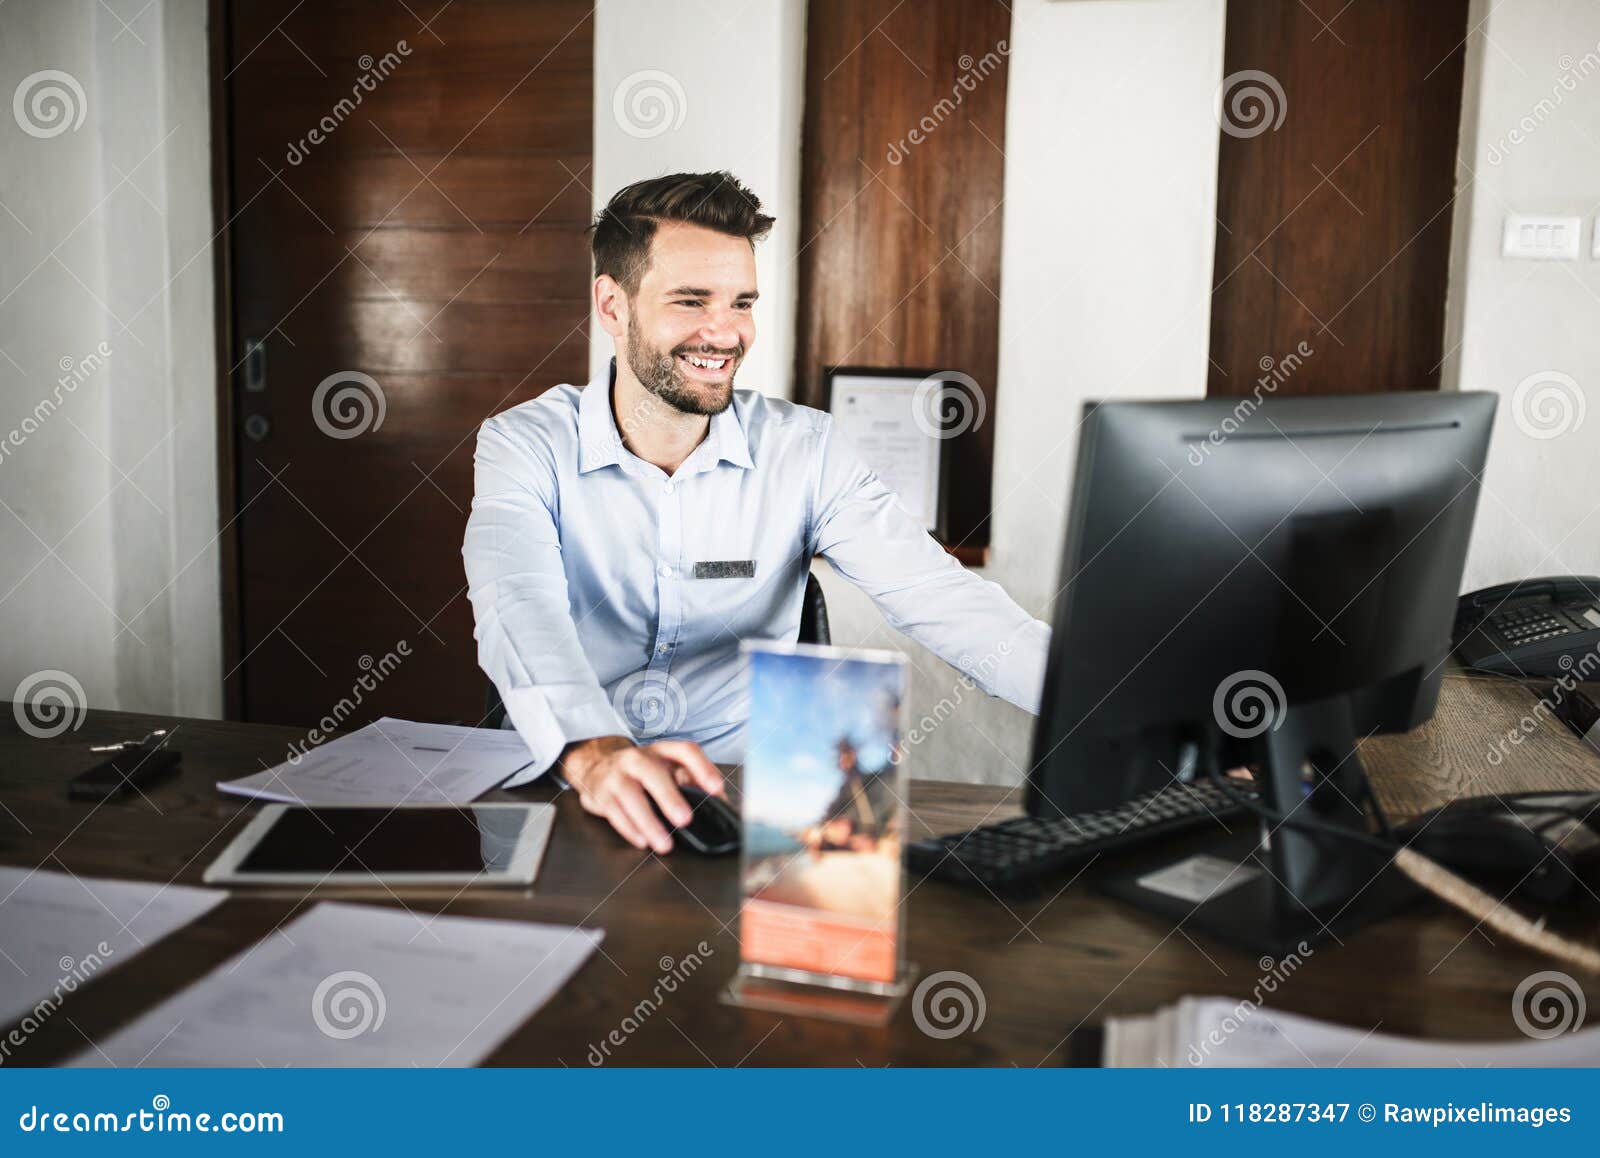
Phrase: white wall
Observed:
(1534, 63)
(699, 85)
(1108, 116)
(120, 477)
(56, 608)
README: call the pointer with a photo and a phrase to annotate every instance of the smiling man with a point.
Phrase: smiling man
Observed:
(626, 536)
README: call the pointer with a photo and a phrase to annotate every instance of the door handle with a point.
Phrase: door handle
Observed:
(255, 365)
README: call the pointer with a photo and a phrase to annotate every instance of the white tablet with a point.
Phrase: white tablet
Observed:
(411, 844)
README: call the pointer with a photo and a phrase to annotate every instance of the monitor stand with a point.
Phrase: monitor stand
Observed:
(1276, 889)
(1245, 907)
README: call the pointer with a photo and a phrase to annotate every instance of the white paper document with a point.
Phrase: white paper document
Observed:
(358, 985)
(1221, 1032)
(393, 762)
(58, 932)
(880, 417)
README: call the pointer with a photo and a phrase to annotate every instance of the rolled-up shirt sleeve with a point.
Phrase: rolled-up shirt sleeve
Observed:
(869, 538)
(527, 642)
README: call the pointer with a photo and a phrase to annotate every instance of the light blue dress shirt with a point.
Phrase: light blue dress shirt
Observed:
(593, 618)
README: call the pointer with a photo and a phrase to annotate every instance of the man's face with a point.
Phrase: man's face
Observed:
(690, 325)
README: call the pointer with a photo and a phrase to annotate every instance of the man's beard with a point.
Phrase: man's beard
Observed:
(658, 371)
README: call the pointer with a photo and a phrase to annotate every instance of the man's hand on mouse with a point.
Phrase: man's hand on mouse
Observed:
(616, 778)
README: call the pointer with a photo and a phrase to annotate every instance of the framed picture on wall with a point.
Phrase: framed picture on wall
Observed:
(895, 416)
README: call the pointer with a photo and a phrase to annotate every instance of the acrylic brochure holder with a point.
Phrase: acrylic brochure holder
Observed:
(823, 800)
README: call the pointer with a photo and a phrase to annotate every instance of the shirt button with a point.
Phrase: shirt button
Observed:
(664, 571)
(669, 486)
(663, 649)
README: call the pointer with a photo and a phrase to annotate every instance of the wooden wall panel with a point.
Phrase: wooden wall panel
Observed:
(1334, 223)
(900, 258)
(432, 240)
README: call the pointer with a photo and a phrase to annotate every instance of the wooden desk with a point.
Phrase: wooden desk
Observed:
(1047, 967)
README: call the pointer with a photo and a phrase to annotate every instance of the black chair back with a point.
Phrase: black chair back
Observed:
(813, 614)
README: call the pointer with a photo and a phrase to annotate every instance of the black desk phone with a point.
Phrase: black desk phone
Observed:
(1538, 627)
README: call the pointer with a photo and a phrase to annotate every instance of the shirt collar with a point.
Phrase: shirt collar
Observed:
(600, 444)
(726, 439)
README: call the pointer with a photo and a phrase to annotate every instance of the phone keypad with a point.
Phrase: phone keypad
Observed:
(1529, 625)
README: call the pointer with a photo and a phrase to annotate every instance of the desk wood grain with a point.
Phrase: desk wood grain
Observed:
(1047, 967)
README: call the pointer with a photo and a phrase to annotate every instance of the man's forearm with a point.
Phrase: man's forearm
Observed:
(581, 755)
(968, 621)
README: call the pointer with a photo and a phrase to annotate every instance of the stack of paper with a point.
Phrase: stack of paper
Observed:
(1222, 1032)
(59, 931)
(356, 985)
(393, 762)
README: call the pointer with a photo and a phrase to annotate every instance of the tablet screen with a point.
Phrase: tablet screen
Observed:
(388, 840)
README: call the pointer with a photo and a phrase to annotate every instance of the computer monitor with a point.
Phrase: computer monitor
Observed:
(1257, 583)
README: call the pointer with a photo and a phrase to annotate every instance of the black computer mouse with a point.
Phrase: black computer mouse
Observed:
(1537, 844)
(713, 830)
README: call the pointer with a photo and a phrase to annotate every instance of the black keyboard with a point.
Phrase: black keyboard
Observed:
(1014, 854)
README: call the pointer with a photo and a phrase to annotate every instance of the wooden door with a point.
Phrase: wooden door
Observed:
(406, 196)
(1336, 178)
(902, 206)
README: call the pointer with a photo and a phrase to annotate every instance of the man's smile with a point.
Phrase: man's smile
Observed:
(706, 367)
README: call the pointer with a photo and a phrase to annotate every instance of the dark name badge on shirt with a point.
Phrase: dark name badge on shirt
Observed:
(725, 569)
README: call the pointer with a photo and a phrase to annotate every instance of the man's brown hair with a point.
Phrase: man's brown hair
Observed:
(623, 230)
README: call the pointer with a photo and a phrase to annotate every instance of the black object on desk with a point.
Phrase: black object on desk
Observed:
(1537, 627)
(1015, 855)
(1544, 846)
(713, 828)
(135, 764)
(1258, 591)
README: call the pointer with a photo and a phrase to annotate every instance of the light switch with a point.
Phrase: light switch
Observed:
(1548, 238)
